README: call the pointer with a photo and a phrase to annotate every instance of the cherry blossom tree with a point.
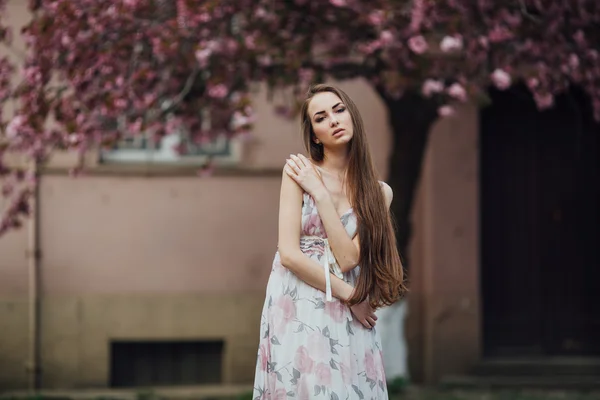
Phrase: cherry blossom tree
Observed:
(96, 71)
(101, 69)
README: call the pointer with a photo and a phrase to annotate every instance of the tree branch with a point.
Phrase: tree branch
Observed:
(526, 13)
(186, 89)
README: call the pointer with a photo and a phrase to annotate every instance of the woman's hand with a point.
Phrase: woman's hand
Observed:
(364, 313)
(304, 173)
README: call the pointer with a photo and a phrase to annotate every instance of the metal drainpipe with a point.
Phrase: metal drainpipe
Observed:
(34, 255)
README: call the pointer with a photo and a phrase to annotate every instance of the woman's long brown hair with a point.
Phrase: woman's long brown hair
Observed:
(381, 277)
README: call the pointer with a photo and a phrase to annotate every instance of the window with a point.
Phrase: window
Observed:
(165, 363)
(141, 149)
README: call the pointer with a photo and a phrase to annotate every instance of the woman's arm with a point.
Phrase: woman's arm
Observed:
(290, 221)
(345, 249)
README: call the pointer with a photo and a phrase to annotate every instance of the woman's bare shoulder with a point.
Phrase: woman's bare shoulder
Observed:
(387, 192)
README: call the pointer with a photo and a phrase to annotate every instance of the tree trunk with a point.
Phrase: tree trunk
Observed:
(411, 118)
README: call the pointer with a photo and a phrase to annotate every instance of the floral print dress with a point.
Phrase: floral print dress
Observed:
(311, 347)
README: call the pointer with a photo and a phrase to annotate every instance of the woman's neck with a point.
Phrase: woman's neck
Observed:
(335, 162)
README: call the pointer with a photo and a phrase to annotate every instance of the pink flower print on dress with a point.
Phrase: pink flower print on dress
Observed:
(344, 367)
(302, 360)
(280, 394)
(370, 368)
(318, 346)
(263, 358)
(313, 225)
(323, 374)
(284, 311)
(303, 391)
(336, 310)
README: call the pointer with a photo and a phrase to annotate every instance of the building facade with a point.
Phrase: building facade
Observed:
(146, 262)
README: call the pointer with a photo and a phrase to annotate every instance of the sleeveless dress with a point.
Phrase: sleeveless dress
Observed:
(310, 345)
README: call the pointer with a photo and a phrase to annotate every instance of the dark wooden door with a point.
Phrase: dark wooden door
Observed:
(540, 220)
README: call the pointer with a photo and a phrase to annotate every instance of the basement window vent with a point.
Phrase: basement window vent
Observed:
(165, 363)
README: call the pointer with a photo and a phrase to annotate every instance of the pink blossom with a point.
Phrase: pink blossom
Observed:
(533, 82)
(458, 92)
(386, 37)
(431, 86)
(13, 127)
(501, 79)
(579, 37)
(202, 56)
(418, 44)
(302, 360)
(573, 61)
(120, 103)
(417, 14)
(239, 120)
(260, 12)
(338, 3)
(217, 91)
(445, 111)
(451, 43)
(376, 17)
(370, 47)
(250, 42)
(484, 42)
(544, 101)
(131, 3)
(323, 374)
(499, 34)
(265, 60)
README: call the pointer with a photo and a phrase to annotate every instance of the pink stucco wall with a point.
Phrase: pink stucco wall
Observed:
(105, 234)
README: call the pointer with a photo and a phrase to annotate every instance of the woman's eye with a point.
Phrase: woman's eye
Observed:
(340, 110)
(319, 119)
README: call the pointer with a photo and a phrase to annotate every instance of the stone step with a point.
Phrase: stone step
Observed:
(521, 382)
(551, 366)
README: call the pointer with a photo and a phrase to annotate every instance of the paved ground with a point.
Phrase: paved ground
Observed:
(243, 393)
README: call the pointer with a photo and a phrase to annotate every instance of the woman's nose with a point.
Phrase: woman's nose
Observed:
(333, 120)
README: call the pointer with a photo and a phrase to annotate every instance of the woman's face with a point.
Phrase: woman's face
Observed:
(330, 119)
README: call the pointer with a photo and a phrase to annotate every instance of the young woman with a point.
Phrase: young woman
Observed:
(336, 264)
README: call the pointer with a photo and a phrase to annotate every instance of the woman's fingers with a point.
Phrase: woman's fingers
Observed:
(371, 321)
(291, 173)
(304, 160)
(293, 165)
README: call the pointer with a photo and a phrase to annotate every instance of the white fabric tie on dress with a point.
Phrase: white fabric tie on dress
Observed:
(329, 266)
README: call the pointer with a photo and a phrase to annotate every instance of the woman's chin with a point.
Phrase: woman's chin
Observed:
(340, 141)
